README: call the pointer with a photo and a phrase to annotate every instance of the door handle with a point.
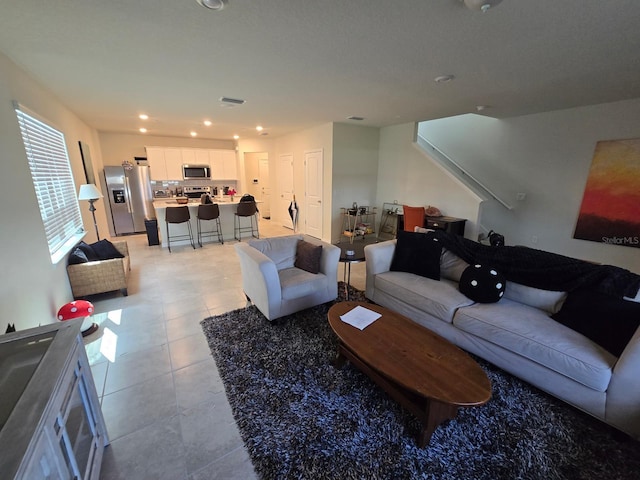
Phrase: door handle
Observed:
(128, 193)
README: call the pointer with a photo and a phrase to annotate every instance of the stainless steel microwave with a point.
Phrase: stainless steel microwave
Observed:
(196, 172)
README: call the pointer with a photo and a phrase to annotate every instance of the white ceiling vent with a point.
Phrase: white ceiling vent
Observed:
(232, 101)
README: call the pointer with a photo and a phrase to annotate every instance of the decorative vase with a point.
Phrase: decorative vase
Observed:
(232, 198)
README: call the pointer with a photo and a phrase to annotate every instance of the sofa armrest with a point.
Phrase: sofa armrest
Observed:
(378, 258)
(260, 280)
(623, 407)
(121, 246)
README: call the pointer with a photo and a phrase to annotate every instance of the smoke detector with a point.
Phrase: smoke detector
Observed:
(212, 4)
(480, 5)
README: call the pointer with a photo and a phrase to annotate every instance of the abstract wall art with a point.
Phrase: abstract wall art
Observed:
(610, 209)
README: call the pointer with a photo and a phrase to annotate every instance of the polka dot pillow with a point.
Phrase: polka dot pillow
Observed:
(482, 284)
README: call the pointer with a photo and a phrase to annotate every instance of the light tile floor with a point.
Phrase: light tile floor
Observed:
(163, 401)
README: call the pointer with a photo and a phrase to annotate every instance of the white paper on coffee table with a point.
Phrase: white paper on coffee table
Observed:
(360, 317)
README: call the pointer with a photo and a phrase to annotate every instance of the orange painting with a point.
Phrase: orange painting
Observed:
(610, 210)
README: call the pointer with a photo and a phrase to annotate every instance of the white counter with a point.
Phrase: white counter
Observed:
(227, 215)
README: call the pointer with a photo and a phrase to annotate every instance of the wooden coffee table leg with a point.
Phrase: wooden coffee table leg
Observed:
(435, 414)
(340, 359)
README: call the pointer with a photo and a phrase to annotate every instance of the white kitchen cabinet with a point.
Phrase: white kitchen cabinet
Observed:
(229, 168)
(223, 165)
(201, 156)
(215, 161)
(173, 159)
(166, 162)
(189, 156)
(157, 165)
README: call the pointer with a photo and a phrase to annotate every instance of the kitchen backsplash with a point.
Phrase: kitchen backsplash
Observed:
(170, 186)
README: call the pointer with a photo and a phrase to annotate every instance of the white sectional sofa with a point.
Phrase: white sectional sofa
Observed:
(516, 334)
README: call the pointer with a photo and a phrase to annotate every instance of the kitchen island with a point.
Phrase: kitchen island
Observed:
(227, 217)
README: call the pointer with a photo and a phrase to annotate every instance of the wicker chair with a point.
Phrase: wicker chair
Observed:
(102, 275)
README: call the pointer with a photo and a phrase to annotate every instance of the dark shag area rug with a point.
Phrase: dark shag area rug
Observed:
(302, 418)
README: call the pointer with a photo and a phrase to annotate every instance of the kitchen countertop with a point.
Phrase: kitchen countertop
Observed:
(171, 202)
(227, 217)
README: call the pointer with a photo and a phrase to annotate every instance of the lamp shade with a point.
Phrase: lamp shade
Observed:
(89, 192)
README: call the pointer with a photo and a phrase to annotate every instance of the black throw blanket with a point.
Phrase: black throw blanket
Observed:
(545, 270)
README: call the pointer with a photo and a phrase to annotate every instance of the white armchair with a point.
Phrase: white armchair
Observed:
(278, 288)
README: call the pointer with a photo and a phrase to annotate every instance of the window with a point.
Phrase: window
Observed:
(53, 182)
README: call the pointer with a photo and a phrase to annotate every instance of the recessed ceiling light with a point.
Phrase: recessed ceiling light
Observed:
(143, 116)
(212, 4)
(444, 78)
(481, 108)
(143, 130)
(207, 123)
(259, 128)
(194, 134)
(236, 137)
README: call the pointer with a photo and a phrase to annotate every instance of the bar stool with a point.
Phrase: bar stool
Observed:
(245, 210)
(178, 215)
(207, 212)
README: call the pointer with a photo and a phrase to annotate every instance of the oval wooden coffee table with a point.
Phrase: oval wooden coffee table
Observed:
(421, 370)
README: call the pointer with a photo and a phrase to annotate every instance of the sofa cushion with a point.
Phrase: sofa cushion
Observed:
(530, 332)
(297, 283)
(482, 284)
(282, 250)
(439, 299)
(308, 256)
(417, 253)
(546, 300)
(91, 255)
(607, 320)
(105, 250)
(77, 256)
(451, 265)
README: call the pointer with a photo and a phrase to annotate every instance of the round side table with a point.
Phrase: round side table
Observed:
(350, 253)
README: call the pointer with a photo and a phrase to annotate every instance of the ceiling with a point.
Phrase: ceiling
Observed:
(300, 63)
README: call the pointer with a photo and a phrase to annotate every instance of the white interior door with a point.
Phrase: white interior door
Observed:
(265, 190)
(313, 163)
(285, 184)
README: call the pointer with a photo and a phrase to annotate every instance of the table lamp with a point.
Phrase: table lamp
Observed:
(91, 193)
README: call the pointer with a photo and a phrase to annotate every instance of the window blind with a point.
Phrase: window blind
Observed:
(53, 182)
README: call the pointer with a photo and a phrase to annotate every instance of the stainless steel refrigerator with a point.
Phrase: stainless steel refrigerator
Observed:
(130, 197)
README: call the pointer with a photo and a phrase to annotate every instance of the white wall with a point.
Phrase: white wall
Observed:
(118, 147)
(32, 289)
(408, 176)
(355, 170)
(320, 137)
(547, 156)
(249, 147)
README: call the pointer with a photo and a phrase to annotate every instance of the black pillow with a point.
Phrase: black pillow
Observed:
(105, 250)
(308, 256)
(88, 251)
(417, 253)
(608, 321)
(77, 256)
(482, 284)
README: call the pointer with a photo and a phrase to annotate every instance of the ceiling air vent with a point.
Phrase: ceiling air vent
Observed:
(232, 101)
(355, 118)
